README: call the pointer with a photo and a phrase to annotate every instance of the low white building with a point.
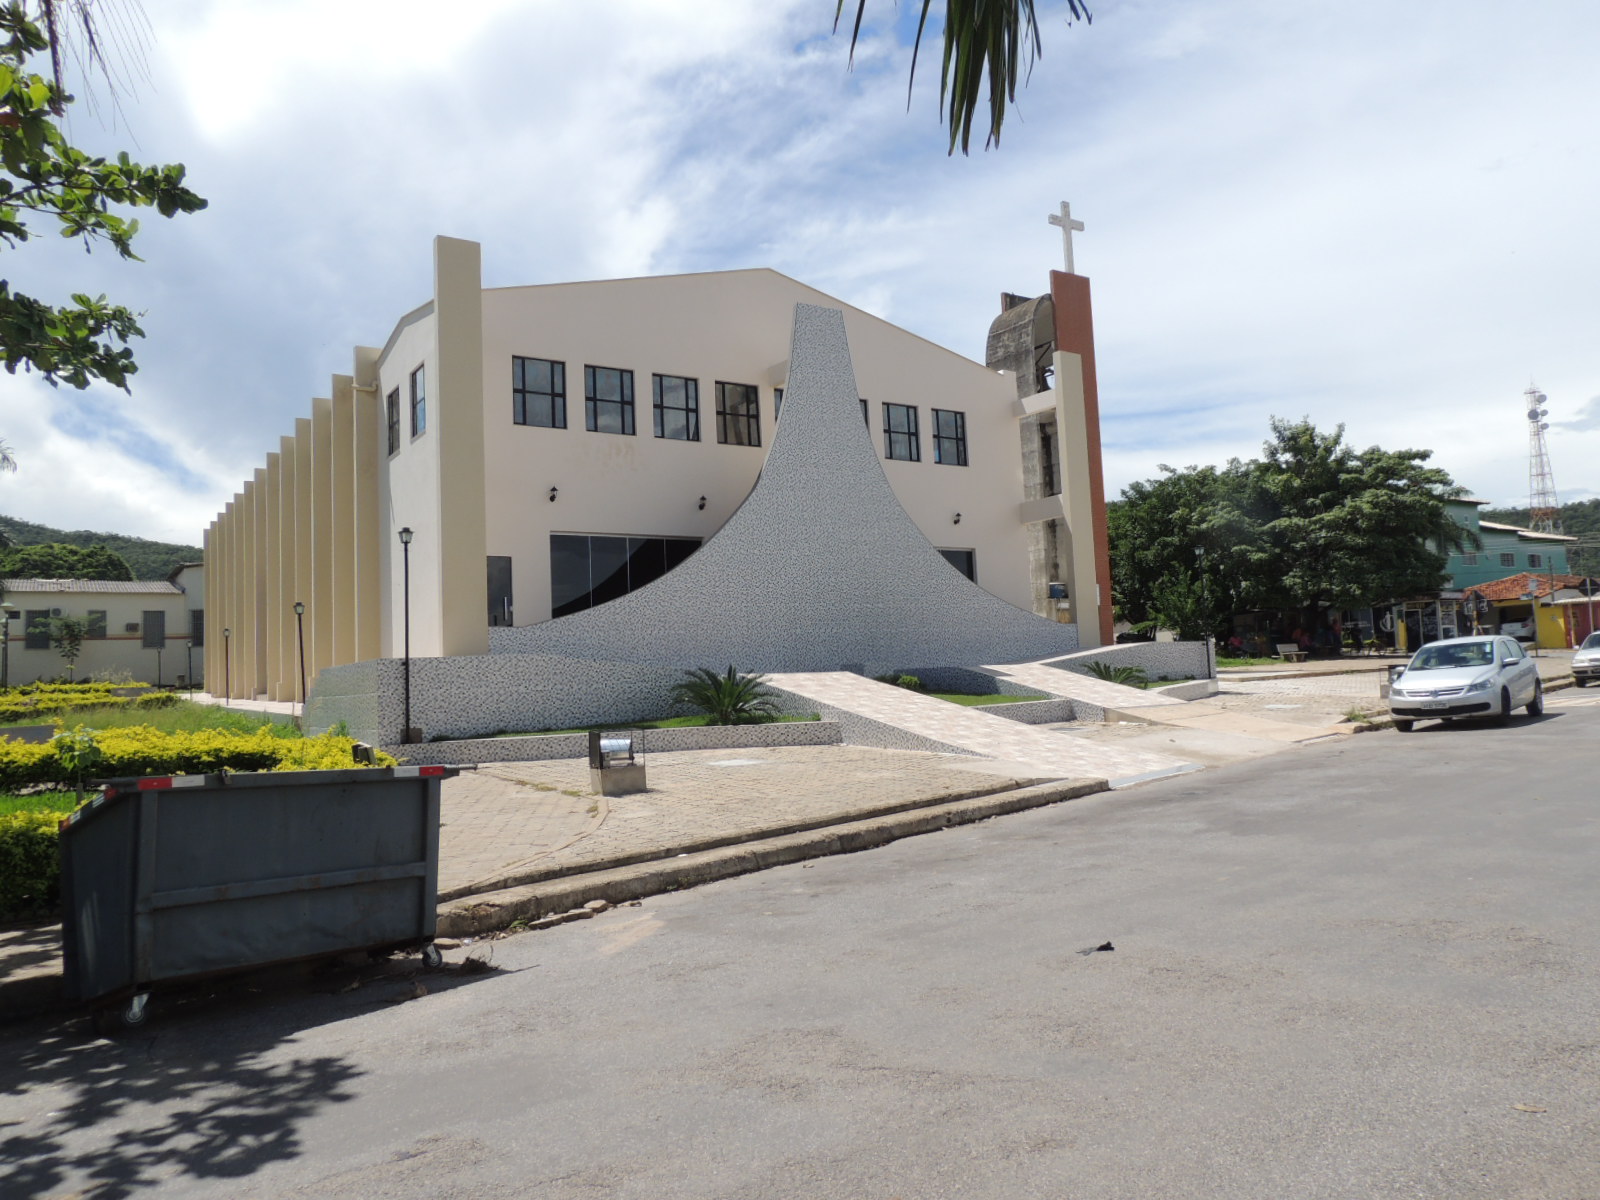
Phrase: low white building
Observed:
(147, 630)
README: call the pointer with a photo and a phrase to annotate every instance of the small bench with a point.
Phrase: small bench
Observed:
(1289, 652)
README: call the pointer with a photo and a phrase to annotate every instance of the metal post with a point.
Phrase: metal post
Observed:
(227, 666)
(158, 666)
(405, 547)
(300, 624)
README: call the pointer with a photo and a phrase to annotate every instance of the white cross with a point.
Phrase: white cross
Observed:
(1067, 224)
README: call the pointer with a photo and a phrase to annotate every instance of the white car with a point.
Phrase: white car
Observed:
(1466, 677)
(1586, 662)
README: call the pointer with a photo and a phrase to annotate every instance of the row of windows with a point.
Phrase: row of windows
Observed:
(539, 397)
(36, 628)
(1507, 559)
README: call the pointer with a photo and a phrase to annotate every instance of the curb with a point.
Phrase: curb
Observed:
(495, 910)
(516, 879)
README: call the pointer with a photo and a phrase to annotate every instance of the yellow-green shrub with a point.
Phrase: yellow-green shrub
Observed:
(30, 867)
(140, 750)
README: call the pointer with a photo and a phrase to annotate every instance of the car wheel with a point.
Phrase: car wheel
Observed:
(1403, 726)
(1580, 683)
(1504, 715)
(1536, 705)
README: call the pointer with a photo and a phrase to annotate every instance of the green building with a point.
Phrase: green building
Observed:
(1507, 549)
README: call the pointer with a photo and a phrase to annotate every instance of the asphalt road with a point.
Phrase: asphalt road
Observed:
(1337, 973)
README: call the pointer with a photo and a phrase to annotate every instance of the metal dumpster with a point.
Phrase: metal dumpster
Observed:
(175, 878)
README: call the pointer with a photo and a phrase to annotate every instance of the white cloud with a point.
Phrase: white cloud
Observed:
(1371, 217)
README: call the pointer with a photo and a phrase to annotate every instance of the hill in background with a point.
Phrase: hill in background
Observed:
(1580, 519)
(149, 560)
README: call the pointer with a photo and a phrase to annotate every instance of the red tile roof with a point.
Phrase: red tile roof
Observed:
(1515, 587)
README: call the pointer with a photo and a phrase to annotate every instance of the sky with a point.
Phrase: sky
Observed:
(1367, 213)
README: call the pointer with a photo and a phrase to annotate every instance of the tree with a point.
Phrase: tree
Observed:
(66, 637)
(55, 560)
(986, 42)
(43, 176)
(1313, 523)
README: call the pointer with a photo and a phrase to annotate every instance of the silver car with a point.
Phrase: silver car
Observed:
(1466, 677)
(1586, 662)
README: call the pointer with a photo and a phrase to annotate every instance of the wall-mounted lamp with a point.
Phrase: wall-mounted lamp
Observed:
(957, 520)
(702, 504)
(552, 495)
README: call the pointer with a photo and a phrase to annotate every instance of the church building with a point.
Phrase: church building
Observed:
(512, 456)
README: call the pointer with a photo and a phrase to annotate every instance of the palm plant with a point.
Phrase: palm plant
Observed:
(730, 699)
(1124, 674)
(985, 42)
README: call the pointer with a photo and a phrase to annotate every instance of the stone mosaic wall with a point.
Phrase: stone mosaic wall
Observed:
(1159, 660)
(656, 741)
(1035, 712)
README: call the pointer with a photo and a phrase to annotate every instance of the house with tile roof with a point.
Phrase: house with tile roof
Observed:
(1551, 605)
(149, 630)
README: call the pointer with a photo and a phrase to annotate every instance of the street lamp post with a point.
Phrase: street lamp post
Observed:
(10, 614)
(405, 549)
(227, 666)
(300, 625)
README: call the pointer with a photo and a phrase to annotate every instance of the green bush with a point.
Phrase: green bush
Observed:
(1124, 674)
(30, 867)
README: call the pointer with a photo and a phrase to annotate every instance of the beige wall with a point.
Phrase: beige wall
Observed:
(733, 327)
(119, 651)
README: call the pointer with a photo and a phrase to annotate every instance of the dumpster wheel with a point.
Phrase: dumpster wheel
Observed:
(111, 1020)
(432, 956)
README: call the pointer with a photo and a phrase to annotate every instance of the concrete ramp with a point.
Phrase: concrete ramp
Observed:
(880, 714)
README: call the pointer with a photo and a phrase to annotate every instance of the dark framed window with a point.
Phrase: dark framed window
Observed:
(392, 415)
(1536, 560)
(36, 629)
(1049, 463)
(588, 570)
(155, 628)
(900, 437)
(949, 437)
(1469, 560)
(777, 403)
(608, 400)
(738, 414)
(965, 561)
(1508, 560)
(866, 418)
(419, 402)
(500, 595)
(677, 408)
(97, 624)
(197, 627)
(539, 392)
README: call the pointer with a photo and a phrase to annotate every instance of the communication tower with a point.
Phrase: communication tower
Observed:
(1544, 511)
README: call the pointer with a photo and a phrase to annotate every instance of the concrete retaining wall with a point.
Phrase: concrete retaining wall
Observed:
(656, 741)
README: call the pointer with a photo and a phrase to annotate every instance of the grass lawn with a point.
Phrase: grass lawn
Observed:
(972, 701)
(1248, 662)
(184, 716)
(57, 802)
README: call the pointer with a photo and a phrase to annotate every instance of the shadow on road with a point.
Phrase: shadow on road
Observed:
(205, 1090)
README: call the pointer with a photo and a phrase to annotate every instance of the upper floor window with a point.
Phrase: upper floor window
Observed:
(1508, 560)
(949, 437)
(97, 623)
(900, 437)
(419, 402)
(539, 392)
(1469, 560)
(677, 408)
(608, 400)
(865, 418)
(391, 408)
(738, 414)
(1536, 560)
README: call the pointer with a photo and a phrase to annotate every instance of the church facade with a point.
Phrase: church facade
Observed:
(514, 456)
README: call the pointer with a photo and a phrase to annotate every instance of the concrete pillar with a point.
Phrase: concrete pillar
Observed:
(208, 541)
(1089, 592)
(343, 646)
(320, 617)
(285, 598)
(456, 417)
(304, 560)
(271, 569)
(367, 522)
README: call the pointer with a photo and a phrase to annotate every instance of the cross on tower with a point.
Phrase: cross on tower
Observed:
(1067, 224)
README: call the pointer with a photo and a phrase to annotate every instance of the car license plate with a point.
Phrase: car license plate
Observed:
(1433, 705)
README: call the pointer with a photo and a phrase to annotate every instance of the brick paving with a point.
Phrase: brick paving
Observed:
(512, 819)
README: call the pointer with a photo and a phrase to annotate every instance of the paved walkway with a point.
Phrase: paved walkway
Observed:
(1032, 749)
(519, 821)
